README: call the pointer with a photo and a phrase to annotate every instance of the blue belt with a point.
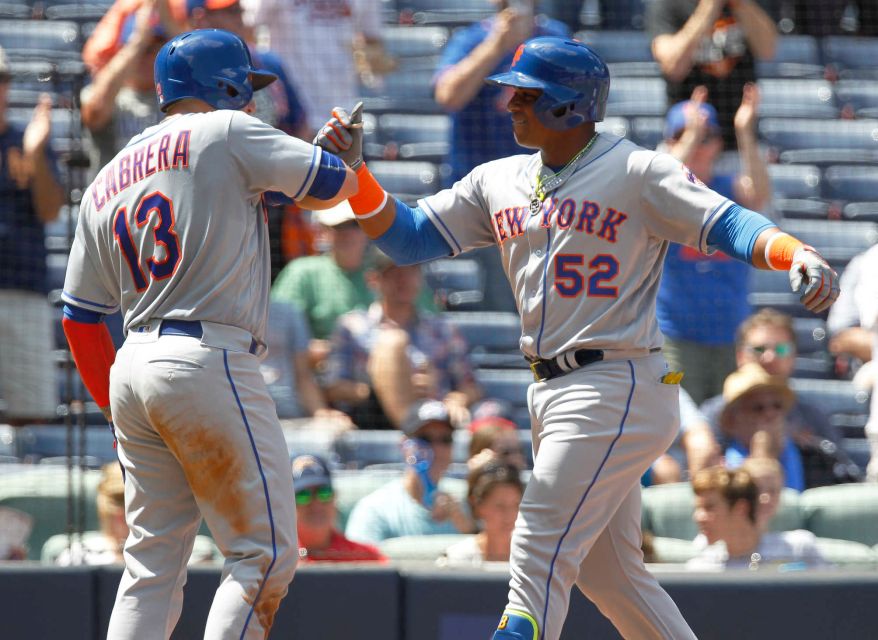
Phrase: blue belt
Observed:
(191, 329)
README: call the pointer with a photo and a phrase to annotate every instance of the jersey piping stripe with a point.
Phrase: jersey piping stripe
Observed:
(64, 294)
(598, 157)
(584, 496)
(307, 182)
(264, 489)
(447, 231)
(711, 220)
(545, 292)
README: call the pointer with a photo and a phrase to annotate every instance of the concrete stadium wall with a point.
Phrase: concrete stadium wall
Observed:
(411, 603)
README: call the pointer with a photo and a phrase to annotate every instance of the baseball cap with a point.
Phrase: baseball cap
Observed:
(208, 5)
(334, 216)
(310, 472)
(675, 121)
(492, 411)
(422, 413)
(749, 378)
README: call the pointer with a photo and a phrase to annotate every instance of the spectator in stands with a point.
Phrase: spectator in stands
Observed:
(865, 299)
(15, 529)
(711, 43)
(696, 437)
(494, 492)
(326, 286)
(767, 473)
(849, 342)
(385, 358)
(120, 101)
(703, 298)
(316, 514)
(767, 337)
(494, 436)
(32, 197)
(481, 129)
(753, 423)
(327, 46)
(726, 511)
(414, 505)
(105, 546)
(287, 369)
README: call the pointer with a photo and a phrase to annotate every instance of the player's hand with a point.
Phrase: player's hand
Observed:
(343, 135)
(36, 136)
(812, 276)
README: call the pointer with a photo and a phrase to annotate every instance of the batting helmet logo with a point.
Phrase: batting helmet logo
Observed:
(574, 80)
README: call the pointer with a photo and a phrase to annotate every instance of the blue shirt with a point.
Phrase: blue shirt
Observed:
(22, 239)
(482, 130)
(790, 459)
(703, 298)
(284, 111)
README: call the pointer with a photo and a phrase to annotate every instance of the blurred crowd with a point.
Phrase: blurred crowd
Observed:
(359, 343)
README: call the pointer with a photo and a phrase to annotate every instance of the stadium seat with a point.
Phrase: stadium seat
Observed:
(203, 550)
(858, 450)
(402, 91)
(409, 41)
(794, 180)
(637, 97)
(772, 289)
(317, 441)
(838, 241)
(76, 11)
(795, 57)
(627, 53)
(851, 183)
(673, 550)
(811, 335)
(861, 96)
(15, 10)
(844, 511)
(839, 399)
(668, 511)
(796, 209)
(822, 142)
(616, 15)
(492, 337)
(796, 98)
(414, 137)
(847, 553)
(357, 449)
(425, 548)
(450, 13)
(36, 442)
(506, 384)
(43, 491)
(408, 181)
(860, 211)
(457, 283)
(51, 40)
(853, 57)
(647, 132)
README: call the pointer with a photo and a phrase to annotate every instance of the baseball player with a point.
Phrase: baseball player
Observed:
(582, 227)
(173, 232)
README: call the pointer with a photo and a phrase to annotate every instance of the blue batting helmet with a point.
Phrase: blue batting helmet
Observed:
(574, 80)
(208, 64)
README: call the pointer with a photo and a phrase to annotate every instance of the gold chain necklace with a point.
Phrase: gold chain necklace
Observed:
(542, 187)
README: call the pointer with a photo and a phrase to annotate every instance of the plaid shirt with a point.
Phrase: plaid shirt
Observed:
(432, 339)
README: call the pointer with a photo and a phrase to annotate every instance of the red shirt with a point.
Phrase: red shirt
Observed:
(341, 549)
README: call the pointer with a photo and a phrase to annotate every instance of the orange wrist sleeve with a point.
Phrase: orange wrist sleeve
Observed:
(371, 197)
(779, 251)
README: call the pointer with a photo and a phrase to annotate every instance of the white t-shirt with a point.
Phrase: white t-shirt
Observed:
(775, 548)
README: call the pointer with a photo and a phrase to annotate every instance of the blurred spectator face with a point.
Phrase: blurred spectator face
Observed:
(758, 410)
(400, 285)
(498, 509)
(230, 18)
(439, 436)
(771, 347)
(315, 515)
(713, 516)
(348, 244)
(500, 437)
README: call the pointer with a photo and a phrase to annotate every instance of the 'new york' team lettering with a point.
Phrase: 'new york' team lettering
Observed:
(587, 217)
(139, 163)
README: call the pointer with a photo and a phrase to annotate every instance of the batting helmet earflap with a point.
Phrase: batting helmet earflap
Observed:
(208, 64)
(574, 80)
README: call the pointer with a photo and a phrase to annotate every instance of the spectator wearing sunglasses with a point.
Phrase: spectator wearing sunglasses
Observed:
(316, 514)
(703, 298)
(415, 504)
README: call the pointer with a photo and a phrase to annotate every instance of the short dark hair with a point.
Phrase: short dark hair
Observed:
(732, 485)
(482, 480)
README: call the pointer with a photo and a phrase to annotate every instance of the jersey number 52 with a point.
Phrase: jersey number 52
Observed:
(163, 232)
(569, 280)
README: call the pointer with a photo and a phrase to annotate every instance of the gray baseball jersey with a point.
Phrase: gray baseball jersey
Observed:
(585, 268)
(158, 233)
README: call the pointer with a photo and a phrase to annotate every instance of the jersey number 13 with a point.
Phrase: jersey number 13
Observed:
(163, 232)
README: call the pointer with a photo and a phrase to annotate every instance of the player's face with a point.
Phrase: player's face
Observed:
(771, 347)
(712, 515)
(529, 131)
(498, 509)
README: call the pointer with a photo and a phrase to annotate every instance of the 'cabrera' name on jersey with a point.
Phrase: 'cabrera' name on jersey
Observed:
(157, 235)
(585, 271)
